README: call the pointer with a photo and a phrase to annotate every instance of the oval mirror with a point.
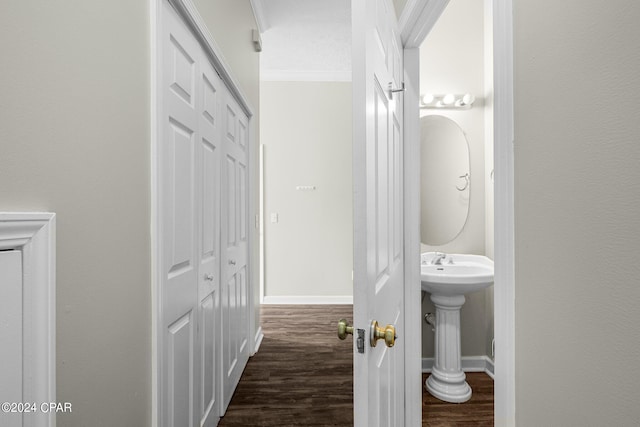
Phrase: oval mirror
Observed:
(444, 180)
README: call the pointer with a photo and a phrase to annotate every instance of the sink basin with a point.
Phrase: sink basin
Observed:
(448, 277)
(459, 274)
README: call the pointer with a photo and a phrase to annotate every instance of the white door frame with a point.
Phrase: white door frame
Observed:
(416, 21)
(196, 25)
(34, 234)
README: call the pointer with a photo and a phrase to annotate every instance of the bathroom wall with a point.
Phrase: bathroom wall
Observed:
(306, 132)
(452, 60)
(577, 198)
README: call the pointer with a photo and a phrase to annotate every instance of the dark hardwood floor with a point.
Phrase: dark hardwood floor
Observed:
(303, 376)
(476, 412)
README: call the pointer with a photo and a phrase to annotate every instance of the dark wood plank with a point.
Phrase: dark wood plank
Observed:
(303, 376)
(478, 411)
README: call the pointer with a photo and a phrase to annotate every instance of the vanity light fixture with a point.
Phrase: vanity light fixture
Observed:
(449, 100)
(426, 99)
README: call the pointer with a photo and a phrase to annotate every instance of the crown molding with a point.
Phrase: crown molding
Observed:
(417, 19)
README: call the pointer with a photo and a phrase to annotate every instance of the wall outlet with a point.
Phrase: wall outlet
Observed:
(274, 217)
(493, 347)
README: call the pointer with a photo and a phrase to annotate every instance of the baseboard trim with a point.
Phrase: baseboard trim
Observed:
(469, 364)
(294, 300)
(258, 340)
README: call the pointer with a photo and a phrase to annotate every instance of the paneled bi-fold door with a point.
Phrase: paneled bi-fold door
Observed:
(202, 192)
(234, 243)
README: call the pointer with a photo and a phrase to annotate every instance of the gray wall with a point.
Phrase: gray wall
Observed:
(307, 131)
(577, 228)
(453, 61)
(74, 139)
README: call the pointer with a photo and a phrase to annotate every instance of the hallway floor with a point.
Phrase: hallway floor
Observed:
(303, 376)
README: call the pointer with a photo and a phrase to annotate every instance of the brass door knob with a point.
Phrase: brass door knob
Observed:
(388, 334)
(344, 329)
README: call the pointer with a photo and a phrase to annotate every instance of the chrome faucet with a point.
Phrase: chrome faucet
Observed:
(438, 258)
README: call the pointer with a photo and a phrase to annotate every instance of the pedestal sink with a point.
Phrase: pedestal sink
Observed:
(448, 277)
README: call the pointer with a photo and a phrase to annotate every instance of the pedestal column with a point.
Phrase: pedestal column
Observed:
(447, 381)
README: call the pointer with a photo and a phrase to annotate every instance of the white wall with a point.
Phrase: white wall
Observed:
(74, 139)
(452, 60)
(306, 131)
(577, 228)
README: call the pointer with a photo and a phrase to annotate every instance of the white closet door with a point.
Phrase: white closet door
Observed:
(209, 243)
(234, 244)
(177, 185)
(11, 335)
(203, 194)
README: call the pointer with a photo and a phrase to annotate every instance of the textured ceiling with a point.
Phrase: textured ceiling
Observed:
(306, 40)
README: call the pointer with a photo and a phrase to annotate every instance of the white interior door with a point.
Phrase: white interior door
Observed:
(203, 186)
(234, 243)
(378, 212)
(11, 327)
(179, 218)
(208, 154)
(189, 185)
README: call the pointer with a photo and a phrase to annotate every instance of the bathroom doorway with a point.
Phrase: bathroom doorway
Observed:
(456, 122)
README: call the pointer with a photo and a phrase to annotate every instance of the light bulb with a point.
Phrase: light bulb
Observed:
(427, 98)
(448, 99)
(467, 99)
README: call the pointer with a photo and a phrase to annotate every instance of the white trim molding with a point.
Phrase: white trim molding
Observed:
(412, 306)
(257, 340)
(307, 300)
(469, 364)
(418, 18)
(504, 214)
(260, 14)
(34, 234)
